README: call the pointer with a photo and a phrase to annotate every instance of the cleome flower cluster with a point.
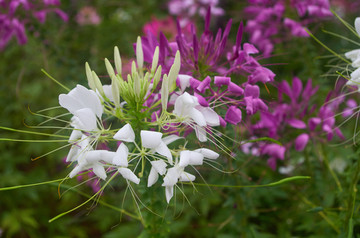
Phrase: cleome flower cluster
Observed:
(138, 143)
(152, 123)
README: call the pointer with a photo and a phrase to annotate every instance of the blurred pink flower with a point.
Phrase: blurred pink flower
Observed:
(88, 16)
(166, 26)
(16, 15)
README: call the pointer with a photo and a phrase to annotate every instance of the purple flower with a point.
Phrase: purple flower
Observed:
(301, 141)
(268, 24)
(275, 152)
(19, 13)
(351, 106)
(187, 9)
(294, 113)
(233, 115)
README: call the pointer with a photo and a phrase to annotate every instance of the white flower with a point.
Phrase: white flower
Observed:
(91, 160)
(188, 107)
(184, 81)
(354, 78)
(129, 175)
(207, 153)
(157, 167)
(86, 107)
(121, 155)
(126, 133)
(190, 158)
(84, 119)
(152, 140)
(79, 148)
(354, 55)
(80, 98)
(177, 172)
(172, 176)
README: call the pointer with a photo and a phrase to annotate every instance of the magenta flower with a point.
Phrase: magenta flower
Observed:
(301, 141)
(274, 152)
(16, 14)
(268, 24)
(186, 10)
(87, 16)
(296, 117)
(167, 26)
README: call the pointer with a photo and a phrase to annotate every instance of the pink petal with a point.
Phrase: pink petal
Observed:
(233, 115)
(301, 142)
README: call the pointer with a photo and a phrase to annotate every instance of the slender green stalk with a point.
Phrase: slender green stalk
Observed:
(31, 132)
(30, 185)
(82, 204)
(333, 174)
(53, 79)
(100, 201)
(330, 50)
(352, 201)
(282, 181)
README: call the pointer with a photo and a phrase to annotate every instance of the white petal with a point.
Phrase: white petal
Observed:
(200, 133)
(197, 116)
(184, 103)
(159, 166)
(150, 139)
(196, 158)
(184, 158)
(81, 97)
(98, 155)
(92, 156)
(126, 133)
(211, 117)
(75, 171)
(121, 156)
(107, 156)
(75, 135)
(356, 63)
(85, 143)
(357, 25)
(99, 170)
(207, 153)
(184, 81)
(186, 177)
(87, 119)
(153, 177)
(129, 175)
(353, 54)
(70, 103)
(171, 177)
(171, 138)
(73, 153)
(164, 150)
(169, 193)
(354, 78)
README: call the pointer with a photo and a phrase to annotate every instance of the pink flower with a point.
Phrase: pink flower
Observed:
(88, 16)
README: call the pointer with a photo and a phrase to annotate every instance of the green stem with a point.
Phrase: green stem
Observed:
(82, 204)
(333, 174)
(352, 200)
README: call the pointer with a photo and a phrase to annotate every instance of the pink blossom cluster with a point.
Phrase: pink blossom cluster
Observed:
(187, 9)
(298, 118)
(16, 15)
(212, 55)
(269, 25)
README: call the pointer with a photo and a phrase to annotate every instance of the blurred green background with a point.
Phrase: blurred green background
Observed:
(315, 208)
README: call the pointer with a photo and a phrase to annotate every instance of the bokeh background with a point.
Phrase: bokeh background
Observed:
(314, 208)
